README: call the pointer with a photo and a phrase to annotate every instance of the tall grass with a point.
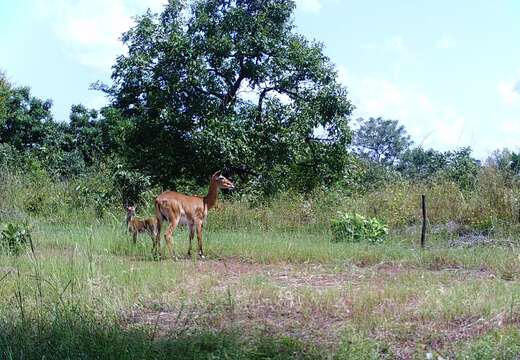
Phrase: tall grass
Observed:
(494, 204)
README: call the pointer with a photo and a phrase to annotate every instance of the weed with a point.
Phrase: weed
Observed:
(355, 227)
(14, 238)
(503, 344)
(356, 345)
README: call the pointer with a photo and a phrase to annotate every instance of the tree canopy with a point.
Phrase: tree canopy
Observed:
(458, 165)
(381, 140)
(25, 120)
(229, 84)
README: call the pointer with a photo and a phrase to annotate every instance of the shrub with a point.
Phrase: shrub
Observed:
(8, 155)
(39, 203)
(14, 238)
(132, 185)
(354, 227)
(67, 164)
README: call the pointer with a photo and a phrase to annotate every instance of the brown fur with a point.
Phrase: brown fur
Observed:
(173, 207)
(136, 226)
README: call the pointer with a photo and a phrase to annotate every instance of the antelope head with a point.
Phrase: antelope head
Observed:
(130, 211)
(221, 181)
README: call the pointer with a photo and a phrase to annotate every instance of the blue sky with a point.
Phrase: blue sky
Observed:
(449, 71)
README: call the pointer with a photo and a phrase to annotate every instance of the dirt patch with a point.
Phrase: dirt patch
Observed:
(170, 321)
(314, 276)
(310, 276)
(229, 267)
(311, 324)
(285, 313)
(462, 274)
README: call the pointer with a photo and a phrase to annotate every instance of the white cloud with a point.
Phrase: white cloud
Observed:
(425, 102)
(96, 100)
(445, 42)
(90, 29)
(369, 46)
(378, 97)
(449, 129)
(429, 124)
(505, 135)
(508, 134)
(509, 126)
(313, 6)
(509, 91)
(343, 75)
(396, 43)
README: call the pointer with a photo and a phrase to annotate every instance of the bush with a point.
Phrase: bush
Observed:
(132, 185)
(354, 228)
(67, 164)
(8, 155)
(14, 238)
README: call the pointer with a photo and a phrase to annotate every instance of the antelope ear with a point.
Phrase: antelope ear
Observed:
(217, 174)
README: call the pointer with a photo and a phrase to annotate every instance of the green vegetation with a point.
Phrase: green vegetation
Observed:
(69, 336)
(273, 278)
(315, 255)
(14, 238)
(355, 227)
(88, 289)
(500, 344)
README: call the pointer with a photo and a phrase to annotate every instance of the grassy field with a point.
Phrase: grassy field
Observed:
(88, 292)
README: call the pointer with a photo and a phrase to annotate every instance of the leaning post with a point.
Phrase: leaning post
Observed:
(423, 230)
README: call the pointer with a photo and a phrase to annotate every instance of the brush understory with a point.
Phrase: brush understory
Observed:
(87, 292)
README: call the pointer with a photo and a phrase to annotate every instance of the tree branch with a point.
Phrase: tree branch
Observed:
(240, 170)
(263, 94)
(261, 101)
(231, 94)
(221, 74)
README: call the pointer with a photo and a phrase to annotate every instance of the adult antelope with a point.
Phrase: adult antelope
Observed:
(181, 209)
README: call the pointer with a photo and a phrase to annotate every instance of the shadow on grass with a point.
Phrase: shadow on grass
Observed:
(84, 337)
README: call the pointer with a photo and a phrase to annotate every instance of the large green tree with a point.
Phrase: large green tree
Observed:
(229, 84)
(27, 127)
(383, 141)
(25, 120)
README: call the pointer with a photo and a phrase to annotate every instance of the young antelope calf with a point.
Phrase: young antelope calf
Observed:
(136, 226)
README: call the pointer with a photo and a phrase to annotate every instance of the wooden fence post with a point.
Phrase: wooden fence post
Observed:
(423, 230)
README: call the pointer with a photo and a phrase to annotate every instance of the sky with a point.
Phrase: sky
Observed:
(449, 71)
